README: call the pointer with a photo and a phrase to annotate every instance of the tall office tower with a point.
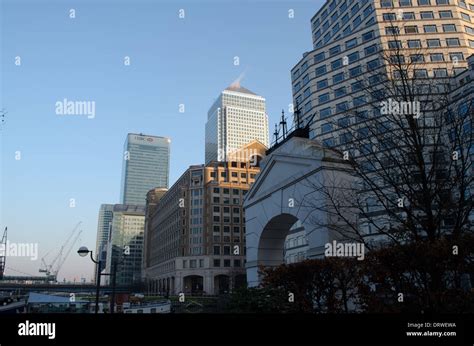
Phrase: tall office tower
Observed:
(348, 38)
(197, 229)
(103, 229)
(145, 166)
(125, 244)
(236, 118)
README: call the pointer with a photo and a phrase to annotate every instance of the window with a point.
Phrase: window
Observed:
(397, 59)
(340, 92)
(452, 42)
(227, 263)
(372, 64)
(421, 73)
(440, 72)
(354, 9)
(356, 22)
(442, 2)
(417, 58)
(338, 78)
(389, 16)
(430, 28)
(217, 250)
(355, 71)
(307, 107)
(324, 113)
(470, 30)
(370, 50)
(449, 28)
(353, 57)
(424, 2)
(217, 263)
(325, 128)
(323, 98)
(334, 50)
(433, 43)
(395, 44)
(427, 15)
(343, 122)
(227, 250)
(306, 93)
(414, 44)
(320, 70)
(445, 14)
(408, 15)
(465, 16)
(392, 30)
(405, 3)
(436, 57)
(342, 107)
(347, 31)
(336, 64)
(356, 86)
(456, 56)
(322, 84)
(359, 101)
(368, 36)
(386, 3)
(319, 57)
(351, 43)
(345, 138)
(412, 29)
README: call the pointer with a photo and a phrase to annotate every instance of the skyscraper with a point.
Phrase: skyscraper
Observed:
(125, 243)
(145, 166)
(103, 229)
(348, 38)
(235, 119)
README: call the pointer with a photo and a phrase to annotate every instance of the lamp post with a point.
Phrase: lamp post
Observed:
(84, 251)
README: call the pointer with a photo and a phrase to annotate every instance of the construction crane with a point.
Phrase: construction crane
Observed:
(3, 253)
(51, 270)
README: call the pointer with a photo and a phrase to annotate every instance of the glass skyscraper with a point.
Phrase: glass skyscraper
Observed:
(145, 166)
(103, 228)
(236, 118)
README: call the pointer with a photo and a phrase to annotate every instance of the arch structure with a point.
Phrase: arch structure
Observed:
(286, 190)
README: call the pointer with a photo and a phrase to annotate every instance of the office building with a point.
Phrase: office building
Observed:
(235, 119)
(103, 228)
(348, 41)
(125, 244)
(145, 166)
(197, 230)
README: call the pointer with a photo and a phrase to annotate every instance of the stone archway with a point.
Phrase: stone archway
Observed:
(279, 197)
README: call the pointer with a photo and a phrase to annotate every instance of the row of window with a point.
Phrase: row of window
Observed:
(226, 229)
(413, 29)
(430, 43)
(391, 16)
(226, 263)
(408, 3)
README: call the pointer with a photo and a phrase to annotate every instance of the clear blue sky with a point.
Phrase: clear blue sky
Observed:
(173, 61)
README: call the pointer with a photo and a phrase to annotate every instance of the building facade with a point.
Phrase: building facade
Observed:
(437, 36)
(125, 244)
(103, 229)
(235, 119)
(145, 166)
(197, 230)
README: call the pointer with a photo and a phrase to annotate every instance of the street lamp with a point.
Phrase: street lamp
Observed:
(83, 251)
